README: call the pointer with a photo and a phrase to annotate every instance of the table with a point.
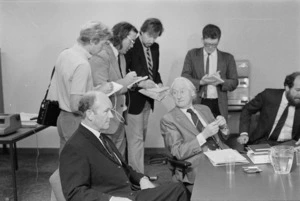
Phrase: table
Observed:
(12, 140)
(212, 183)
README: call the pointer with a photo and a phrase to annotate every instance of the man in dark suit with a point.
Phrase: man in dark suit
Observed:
(92, 168)
(143, 58)
(279, 119)
(202, 63)
(183, 137)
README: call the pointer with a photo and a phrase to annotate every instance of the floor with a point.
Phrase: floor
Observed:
(36, 166)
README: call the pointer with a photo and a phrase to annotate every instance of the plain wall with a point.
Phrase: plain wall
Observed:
(34, 32)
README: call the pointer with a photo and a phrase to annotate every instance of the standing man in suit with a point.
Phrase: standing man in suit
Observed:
(110, 65)
(143, 58)
(208, 60)
(92, 168)
(279, 119)
(189, 130)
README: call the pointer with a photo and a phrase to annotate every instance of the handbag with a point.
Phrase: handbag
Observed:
(49, 109)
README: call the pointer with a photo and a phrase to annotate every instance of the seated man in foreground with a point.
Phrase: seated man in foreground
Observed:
(92, 168)
(279, 120)
(190, 130)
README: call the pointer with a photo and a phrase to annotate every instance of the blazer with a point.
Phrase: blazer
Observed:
(105, 68)
(267, 103)
(88, 172)
(193, 69)
(136, 61)
(180, 133)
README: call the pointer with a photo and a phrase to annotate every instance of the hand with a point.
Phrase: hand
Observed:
(146, 183)
(147, 84)
(210, 130)
(113, 198)
(298, 142)
(130, 77)
(243, 139)
(220, 120)
(105, 87)
(160, 85)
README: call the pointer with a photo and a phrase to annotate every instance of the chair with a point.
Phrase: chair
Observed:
(56, 193)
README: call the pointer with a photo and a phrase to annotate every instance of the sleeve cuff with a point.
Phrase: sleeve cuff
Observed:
(201, 139)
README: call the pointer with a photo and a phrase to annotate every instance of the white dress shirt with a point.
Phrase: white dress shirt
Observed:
(286, 131)
(213, 62)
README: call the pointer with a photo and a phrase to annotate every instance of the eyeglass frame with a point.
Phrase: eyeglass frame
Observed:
(131, 40)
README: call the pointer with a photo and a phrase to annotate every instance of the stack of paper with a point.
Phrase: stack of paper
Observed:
(137, 81)
(259, 153)
(157, 93)
(116, 87)
(220, 157)
(26, 119)
(213, 78)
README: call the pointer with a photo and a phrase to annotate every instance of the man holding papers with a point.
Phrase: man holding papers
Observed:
(109, 65)
(189, 130)
(143, 58)
(212, 71)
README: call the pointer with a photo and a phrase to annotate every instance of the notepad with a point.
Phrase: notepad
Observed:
(116, 87)
(213, 77)
(157, 93)
(220, 157)
(137, 81)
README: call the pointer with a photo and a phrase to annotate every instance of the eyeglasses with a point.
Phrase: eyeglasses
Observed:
(132, 41)
(211, 44)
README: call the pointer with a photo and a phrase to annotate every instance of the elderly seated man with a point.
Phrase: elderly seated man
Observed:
(92, 168)
(189, 130)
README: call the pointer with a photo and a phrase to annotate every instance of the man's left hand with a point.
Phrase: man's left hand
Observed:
(298, 142)
(146, 183)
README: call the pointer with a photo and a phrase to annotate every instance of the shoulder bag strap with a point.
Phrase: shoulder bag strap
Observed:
(49, 83)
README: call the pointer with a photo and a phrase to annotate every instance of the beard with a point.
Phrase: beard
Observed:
(294, 101)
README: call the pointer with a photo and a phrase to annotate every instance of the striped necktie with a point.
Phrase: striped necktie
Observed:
(149, 63)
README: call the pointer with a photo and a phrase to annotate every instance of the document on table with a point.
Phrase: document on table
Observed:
(138, 80)
(116, 87)
(25, 119)
(220, 157)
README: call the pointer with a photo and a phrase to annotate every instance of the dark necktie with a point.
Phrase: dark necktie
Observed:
(280, 123)
(206, 72)
(211, 142)
(108, 148)
(149, 63)
(119, 62)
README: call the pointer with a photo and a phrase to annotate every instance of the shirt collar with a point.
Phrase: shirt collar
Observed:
(115, 51)
(185, 109)
(96, 133)
(78, 47)
(214, 53)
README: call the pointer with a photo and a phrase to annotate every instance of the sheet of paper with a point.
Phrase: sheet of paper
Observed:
(154, 95)
(116, 87)
(158, 89)
(138, 80)
(219, 157)
(213, 77)
(25, 119)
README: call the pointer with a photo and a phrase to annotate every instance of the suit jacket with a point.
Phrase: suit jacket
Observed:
(267, 103)
(105, 68)
(136, 61)
(180, 134)
(193, 69)
(88, 172)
